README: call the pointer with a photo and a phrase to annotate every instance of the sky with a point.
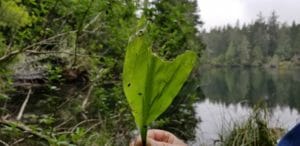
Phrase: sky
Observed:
(221, 12)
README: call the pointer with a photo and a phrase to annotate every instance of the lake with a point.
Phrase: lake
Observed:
(230, 94)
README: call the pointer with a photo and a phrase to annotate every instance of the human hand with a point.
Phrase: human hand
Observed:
(159, 138)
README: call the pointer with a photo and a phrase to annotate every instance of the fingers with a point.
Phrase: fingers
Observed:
(161, 135)
(150, 142)
(165, 136)
(157, 137)
(159, 143)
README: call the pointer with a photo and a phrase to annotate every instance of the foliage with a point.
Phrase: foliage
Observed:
(173, 27)
(10, 9)
(231, 54)
(150, 84)
(79, 47)
(244, 52)
(254, 131)
(252, 44)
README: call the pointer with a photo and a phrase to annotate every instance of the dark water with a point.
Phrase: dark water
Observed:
(230, 94)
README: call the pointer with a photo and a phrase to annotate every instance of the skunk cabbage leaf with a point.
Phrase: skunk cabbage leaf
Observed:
(149, 82)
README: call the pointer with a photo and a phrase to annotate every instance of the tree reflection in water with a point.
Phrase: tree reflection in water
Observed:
(232, 92)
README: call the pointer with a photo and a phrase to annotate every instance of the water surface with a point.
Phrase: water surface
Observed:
(231, 93)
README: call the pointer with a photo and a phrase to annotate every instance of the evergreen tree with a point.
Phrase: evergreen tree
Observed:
(231, 54)
(264, 39)
(294, 29)
(296, 47)
(215, 43)
(174, 27)
(257, 56)
(258, 34)
(284, 49)
(245, 52)
(273, 28)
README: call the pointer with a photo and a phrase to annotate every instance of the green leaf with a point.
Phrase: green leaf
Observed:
(3, 97)
(149, 82)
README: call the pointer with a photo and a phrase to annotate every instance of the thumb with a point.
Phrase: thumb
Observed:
(157, 143)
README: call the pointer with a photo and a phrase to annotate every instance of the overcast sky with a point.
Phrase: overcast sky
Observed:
(221, 12)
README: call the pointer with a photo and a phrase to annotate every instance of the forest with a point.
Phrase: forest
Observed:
(264, 42)
(61, 65)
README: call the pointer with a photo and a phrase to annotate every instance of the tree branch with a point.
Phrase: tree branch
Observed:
(26, 129)
(14, 53)
(9, 55)
(4, 143)
(24, 105)
(85, 101)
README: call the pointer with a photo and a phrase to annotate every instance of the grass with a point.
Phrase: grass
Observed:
(254, 131)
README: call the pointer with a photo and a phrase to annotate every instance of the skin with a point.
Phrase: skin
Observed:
(157, 137)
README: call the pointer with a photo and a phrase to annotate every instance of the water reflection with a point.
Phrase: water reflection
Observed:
(219, 118)
(230, 94)
(250, 85)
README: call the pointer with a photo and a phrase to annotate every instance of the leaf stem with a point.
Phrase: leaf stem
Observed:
(144, 130)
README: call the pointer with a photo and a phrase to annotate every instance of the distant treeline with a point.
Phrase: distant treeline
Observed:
(265, 42)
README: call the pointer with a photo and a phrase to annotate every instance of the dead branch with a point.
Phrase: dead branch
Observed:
(63, 123)
(20, 140)
(25, 128)
(9, 55)
(92, 21)
(24, 105)
(72, 96)
(58, 52)
(85, 101)
(93, 126)
(82, 122)
(16, 52)
(4, 143)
